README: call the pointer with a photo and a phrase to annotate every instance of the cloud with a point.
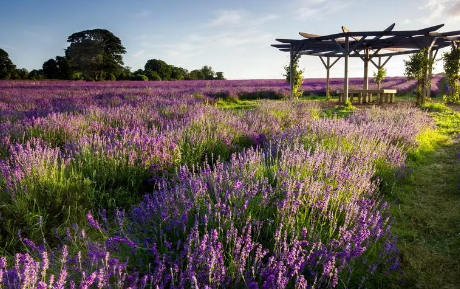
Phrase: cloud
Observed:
(206, 43)
(455, 10)
(232, 18)
(226, 17)
(406, 21)
(319, 9)
(139, 53)
(439, 8)
(143, 13)
(263, 19)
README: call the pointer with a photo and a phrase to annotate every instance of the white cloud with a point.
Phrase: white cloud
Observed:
(139, 53)
(455, 10)
(439, 9)
(232, 18)
(263, 19)
(406, 22)
(226, 17)
(319, 9)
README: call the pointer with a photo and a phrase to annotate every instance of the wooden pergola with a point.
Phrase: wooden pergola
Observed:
(376, 47)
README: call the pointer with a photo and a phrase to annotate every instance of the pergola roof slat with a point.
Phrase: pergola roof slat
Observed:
(396, 41)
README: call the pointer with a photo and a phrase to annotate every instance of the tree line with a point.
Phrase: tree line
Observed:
(97, 55)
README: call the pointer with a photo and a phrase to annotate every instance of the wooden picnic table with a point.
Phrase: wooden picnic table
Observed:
(388, 94)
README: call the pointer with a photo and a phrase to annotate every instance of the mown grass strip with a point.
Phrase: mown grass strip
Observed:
(426, 207)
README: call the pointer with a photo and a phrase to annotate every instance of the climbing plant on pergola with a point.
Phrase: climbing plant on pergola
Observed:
(376, 47)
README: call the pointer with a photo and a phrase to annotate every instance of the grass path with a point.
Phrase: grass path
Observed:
(427, 209)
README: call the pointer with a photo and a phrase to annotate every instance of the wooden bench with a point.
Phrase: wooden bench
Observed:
(388, 94)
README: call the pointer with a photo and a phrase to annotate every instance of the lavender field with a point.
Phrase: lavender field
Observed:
(250, 88)
(150, 185)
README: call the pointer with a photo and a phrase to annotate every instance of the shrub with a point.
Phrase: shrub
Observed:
(140, 77)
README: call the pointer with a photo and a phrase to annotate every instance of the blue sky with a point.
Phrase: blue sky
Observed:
(231, 36)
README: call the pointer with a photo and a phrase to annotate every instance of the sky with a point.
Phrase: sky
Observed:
(230, 36)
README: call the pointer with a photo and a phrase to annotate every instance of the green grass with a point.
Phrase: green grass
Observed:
(426, 207)
(236, 104)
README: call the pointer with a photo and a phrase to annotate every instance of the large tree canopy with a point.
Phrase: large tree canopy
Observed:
(6, 65)
(159, 66)
(95, 53)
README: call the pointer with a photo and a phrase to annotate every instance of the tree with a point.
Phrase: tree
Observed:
(64, 67)
(95, 53)
(6, 65)
(207, 72)
(416, 68)
(162, 68)
(20, 73)
(152, 75)
(51, 69)
(196, 74)
(58, 68)
(379, 76)
(36, 74)
(452, 69)
(178, 73)
(219, 75)
(124, 73)
(298, 77)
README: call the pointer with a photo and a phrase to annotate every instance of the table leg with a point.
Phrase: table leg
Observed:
(380, 96)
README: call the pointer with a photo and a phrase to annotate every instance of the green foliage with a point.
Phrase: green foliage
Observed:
(298, 77)
(58, 68)
(207, 72)
(140, 77)
(452, 69)
(196, 74)
(416, 68)
(21, 73)
(178, 73)
(124, 73)
(348, 105)
(110, 77)
(152, 75)
(160, 67)
(95, 53)
(6, 65)
(50, 69)
(219, 75)
(36, 74)
(380, 75)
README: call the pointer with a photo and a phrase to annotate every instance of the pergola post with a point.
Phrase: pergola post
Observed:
(366, 73)
(328, 67)
(345, 81)
(430, 73)
(291, 73)
(425, 72)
